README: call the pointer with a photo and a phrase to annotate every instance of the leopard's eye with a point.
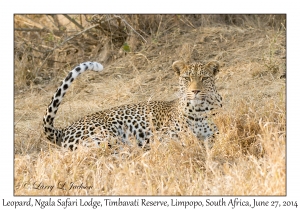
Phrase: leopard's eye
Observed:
(187, 78)
(204, 78)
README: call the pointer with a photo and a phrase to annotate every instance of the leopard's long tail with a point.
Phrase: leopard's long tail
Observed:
(53, 134)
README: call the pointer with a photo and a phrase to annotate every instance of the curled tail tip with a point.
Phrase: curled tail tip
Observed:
(95, 66)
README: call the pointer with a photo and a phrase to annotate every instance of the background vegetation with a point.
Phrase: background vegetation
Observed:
(137, 51)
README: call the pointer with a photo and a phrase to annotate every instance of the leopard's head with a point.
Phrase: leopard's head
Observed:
(197, 80)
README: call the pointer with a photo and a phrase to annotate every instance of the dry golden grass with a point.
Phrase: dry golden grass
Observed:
(248, 158)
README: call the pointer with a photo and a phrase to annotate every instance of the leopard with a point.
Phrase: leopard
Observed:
(190, 113)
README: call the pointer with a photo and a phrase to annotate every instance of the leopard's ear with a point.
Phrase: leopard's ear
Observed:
(179, 67)
(214, 67)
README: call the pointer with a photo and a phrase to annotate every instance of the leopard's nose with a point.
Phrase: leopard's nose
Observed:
(196, 91)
